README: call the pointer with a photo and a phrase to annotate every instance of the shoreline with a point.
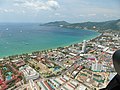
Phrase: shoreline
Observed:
(76, 42)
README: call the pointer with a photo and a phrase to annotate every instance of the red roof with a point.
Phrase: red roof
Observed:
(80, 67)
(47, 85)
(91, 58)
(1, 81)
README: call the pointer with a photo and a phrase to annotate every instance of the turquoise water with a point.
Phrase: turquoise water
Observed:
(4, 68)
(8, 78)
(18, 38)
(56, 68)
(9, 73)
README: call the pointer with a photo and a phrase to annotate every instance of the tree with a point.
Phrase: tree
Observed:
(20, 77)
(38, 68)
(33, 66)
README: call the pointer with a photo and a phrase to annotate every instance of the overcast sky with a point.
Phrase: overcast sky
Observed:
(57, 10)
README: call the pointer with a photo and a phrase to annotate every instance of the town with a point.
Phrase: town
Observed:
(82, 66)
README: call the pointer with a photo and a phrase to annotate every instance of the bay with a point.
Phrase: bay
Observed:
(18, 38)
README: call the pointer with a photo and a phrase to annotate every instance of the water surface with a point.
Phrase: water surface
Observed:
(18, 38)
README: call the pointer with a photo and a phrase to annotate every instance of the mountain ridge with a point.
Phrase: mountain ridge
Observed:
(56, 23)
(111, 25)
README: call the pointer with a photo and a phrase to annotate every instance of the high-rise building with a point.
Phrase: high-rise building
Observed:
(84, 46)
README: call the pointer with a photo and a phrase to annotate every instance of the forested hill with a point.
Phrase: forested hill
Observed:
(100, 26)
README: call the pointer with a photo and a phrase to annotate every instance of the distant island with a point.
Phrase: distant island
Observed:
(112, 25)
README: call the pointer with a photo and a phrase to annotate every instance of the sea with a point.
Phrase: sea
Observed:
(19, 38)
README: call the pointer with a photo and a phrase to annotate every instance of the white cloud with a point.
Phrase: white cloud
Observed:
(57, 14)
(81, 15)
(87, 15)
(52, 4)
(92, 14)
(3, 10)
(38, 5)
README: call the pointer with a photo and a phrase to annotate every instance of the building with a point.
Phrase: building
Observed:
(84, 46)
(32, 85)
(97, 66)
(29, 73)
(111, 75)
(18, 63)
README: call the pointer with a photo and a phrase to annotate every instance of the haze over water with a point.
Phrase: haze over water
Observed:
(18, 38)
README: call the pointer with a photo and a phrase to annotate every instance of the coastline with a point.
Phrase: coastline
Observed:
(65, 45)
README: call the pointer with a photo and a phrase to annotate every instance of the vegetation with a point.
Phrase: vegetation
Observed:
(112, 25)
(57, 23)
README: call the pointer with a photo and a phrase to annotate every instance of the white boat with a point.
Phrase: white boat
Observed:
(6, 28)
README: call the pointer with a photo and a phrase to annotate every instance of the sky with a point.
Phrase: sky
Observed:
(58, 10)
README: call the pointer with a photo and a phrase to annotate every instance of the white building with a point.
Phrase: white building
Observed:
(82, 87)
(112, 75)
(84, 46)
(97, 66)
(32, 85)
(29, 73)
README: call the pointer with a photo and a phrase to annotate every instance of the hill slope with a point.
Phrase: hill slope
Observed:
(100, 26)
(57, 23)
